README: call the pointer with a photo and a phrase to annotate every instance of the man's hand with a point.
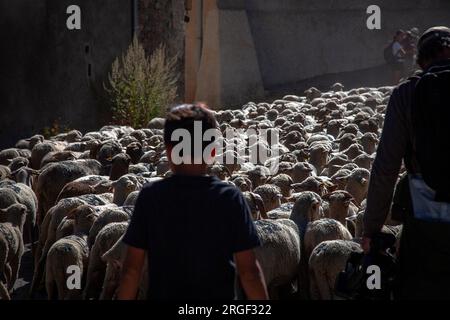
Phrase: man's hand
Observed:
(251, 276)
(131, 274)
(365, 244)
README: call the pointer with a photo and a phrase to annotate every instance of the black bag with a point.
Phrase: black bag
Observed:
(401, 202)
(430, 118)
(352, 282)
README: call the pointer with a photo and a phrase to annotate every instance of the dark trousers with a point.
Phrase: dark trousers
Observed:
(424, 260)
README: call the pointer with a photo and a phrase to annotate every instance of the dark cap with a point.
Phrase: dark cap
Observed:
(435, 35)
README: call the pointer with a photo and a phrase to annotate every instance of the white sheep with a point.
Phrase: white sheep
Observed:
(12, 220)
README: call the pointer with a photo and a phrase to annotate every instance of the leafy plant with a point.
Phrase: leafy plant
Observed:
(141, 88)
(56, 128)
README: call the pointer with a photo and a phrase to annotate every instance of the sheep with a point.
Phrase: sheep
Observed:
(58, 156)
(53, 179)
(107, 216)
(282, 212)
(369, 142)
(23, 194)
(319, 156)
(7, 155)
(322, 230)
(358, 184)
(255, 204)
(69, 251)
(114, 258)
(302, 171)
(4, 172)
(131, 199)
(258, 176)
(242, 182)
(314, 184)
(85, 185)
(18, 163)
(120, 164)
(327, 260)
(12, 220)
(279, 253)
(29, 143)
(270, 195)
(124, 186)
(340, 206)
(104, 241)
(364, 161)
(306, 209)
(156, 123)
(49, 229)
(283, 182)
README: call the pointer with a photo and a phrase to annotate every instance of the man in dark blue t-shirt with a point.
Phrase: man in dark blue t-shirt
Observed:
(195, 229)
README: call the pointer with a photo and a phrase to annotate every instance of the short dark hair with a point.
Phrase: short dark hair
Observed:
(183, 117)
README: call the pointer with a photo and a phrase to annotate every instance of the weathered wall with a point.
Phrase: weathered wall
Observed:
(163, 22)
(301, 39)
(297, 40)
(44, 66)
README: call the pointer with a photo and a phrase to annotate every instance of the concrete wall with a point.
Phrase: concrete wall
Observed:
(44, 67)
(297, 40)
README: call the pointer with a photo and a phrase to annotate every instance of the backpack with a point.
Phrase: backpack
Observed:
(430, 120)
(388, 55)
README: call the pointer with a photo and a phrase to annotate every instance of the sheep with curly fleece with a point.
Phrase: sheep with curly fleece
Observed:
(67, 252)
(358, 184)
(12, 220)
(104, 241)
(114, 259)
(50, 225)
(279, 253)
(270, 194)
(107, 216)
(327, 260)
(54, 177)
(322, 230)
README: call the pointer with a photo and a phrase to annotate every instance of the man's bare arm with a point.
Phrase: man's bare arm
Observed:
(251, 275)
(131, 274)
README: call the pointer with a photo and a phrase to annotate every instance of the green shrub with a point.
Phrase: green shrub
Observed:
(141, 88)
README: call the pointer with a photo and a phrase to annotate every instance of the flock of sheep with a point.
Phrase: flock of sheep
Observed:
(71, 196)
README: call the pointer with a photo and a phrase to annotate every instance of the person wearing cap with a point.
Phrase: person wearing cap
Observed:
(424, 253)
(195, 230)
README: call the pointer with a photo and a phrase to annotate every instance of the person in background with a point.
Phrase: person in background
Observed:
(409, 47)
(398, 56)
(195, 230)
(424, 252)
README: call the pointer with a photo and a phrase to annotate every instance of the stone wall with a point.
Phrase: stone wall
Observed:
(253, 44)
(52, 74)
(163, 22)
